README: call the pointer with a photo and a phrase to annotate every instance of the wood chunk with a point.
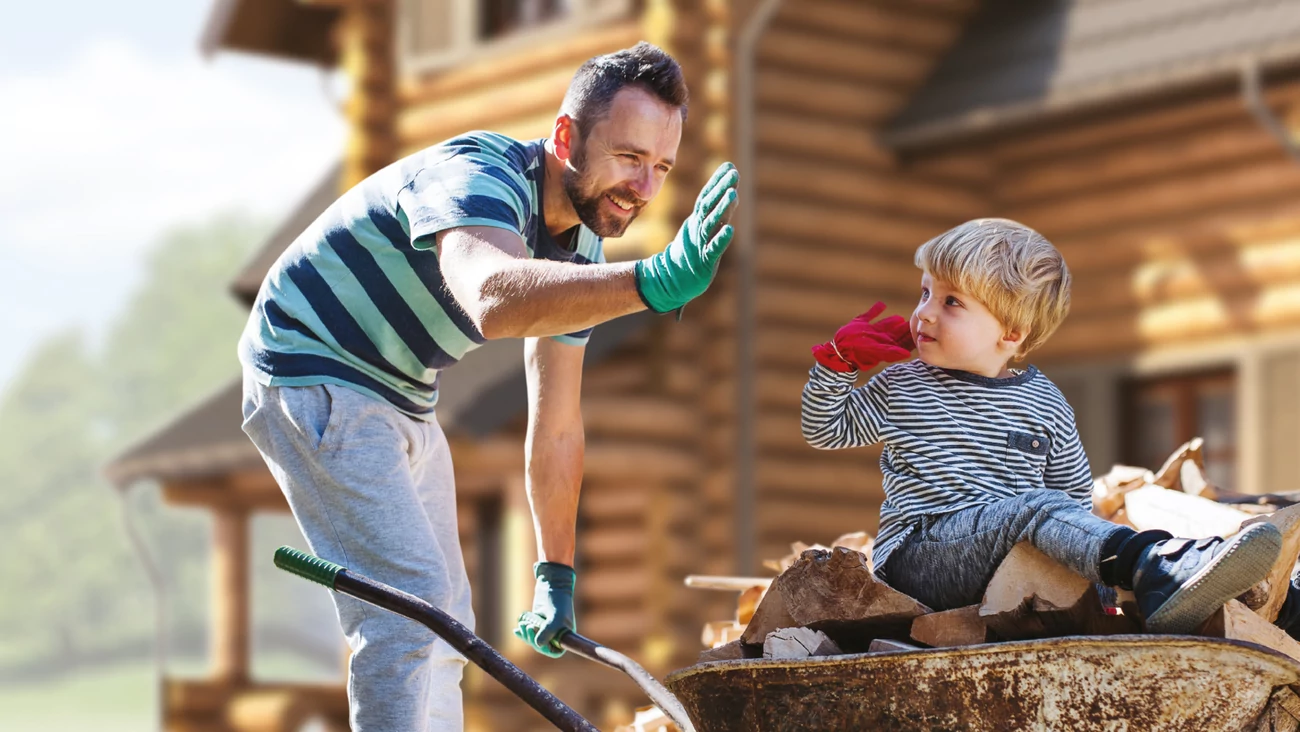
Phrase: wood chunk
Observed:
(1108, 490)
(859, 541)
(782, 564)
(1182, 515)
(1235, 621)
(720, 632)
(1193, 482)
(1168, 475)
(791, 643)
(835, 592)
(1273, 588)
(1034, 596)
(771, 614)
(1287, 700)
(726, 652)
(1279, 714)
(960, 627)
(649, 719)
(888, 645)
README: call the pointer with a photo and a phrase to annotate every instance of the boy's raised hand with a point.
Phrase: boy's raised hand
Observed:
(860, 344)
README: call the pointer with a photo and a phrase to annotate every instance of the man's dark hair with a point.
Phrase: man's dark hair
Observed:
(644, 65)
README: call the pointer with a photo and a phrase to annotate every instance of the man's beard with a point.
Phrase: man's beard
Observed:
(589, 205)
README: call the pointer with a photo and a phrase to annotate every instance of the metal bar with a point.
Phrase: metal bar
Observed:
(661, 697)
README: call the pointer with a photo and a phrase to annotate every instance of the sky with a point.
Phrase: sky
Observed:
(113, 130)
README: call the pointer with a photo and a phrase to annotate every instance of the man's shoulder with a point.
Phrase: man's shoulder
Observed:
(491, 148)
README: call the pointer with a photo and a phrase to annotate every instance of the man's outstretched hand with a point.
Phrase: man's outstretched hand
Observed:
(552, 611)
(860, 344)
(683, 271)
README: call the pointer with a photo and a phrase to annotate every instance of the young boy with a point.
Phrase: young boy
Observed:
(979, 456)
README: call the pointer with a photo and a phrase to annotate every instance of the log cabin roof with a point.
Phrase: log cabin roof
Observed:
(1018, 62)
(484, 392)
(285, 29)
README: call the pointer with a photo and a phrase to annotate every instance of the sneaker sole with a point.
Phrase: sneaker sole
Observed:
(1245, 561)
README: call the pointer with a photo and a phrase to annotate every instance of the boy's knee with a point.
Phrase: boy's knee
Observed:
(1046, 499)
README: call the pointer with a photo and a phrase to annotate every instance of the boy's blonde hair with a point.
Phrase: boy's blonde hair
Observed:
(1010, 268)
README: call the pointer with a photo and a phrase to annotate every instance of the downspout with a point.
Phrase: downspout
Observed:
(1252, 93)
(747, 224)
(159, 586)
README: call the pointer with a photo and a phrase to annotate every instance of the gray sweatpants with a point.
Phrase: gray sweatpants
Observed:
(372, 489)
(948, 560)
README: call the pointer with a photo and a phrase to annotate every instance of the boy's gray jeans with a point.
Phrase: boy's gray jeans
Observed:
(372, 489)
(948, 560)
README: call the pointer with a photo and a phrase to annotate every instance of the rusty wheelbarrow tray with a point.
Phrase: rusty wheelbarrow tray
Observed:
(1128, 682)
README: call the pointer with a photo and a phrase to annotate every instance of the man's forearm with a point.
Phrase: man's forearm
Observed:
(537, 298)
(554, 482)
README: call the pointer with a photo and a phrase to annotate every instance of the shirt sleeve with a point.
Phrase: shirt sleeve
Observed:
(835, 415)
(474, 188)
(1067, 467)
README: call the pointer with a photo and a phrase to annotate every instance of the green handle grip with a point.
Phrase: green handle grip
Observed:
(307, 566)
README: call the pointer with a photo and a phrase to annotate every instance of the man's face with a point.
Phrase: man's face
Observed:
(621, 164)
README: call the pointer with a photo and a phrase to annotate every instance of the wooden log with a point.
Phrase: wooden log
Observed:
(828, 57)
(821, 139)
(845, 227)
(1273, 175)
(960, 627)
(1034, 596)
(1235, 621)
(1108, 490)
(886, 24)
(1156, 124)
(733, 651)
(479, 108)
(1274, 587)
(1153, 507)
(863, 271)
(1124, 164)
(843, 100)
(626, 460)
(1170, 474)
(833, 181)
(836, 592)
(796, 643)
(266, 711)
(642, 417)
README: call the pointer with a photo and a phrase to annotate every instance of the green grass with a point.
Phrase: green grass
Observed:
(120, 698)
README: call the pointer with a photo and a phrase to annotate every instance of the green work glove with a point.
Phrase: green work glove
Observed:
(683, 271)
(552, 612)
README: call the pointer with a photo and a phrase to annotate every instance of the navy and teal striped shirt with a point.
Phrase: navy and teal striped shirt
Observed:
(358, 299)
(952, 439)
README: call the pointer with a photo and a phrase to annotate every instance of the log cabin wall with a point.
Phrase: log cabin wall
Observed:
(838, 220)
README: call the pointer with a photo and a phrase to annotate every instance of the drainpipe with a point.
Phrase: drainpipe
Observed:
(158, 583)
(1252, 92)
(747, 224)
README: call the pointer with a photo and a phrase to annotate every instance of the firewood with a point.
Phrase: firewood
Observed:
(1192, 480)
(747, 603)
(834, 591)
(716, 582)
(649, 719)
(1168, 475)
(1182, 515)
(1235, 621)
(1033, 596)
(960, 627)
(792, 643)
(720, 632)
(1266, 597)
(1108, 490)
(859, 541)
(888, 645)
(732, 651)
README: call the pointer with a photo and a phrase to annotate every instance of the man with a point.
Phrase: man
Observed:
(479, 237)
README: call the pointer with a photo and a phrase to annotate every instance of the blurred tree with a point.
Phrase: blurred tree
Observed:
(77, 594)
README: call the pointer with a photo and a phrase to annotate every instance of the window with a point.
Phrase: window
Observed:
(502, 17)
(433, 34)
(1163, 413)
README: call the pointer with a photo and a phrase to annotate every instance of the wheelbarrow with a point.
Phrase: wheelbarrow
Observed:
(1127, 683)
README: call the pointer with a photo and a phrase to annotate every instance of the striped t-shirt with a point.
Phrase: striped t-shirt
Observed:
(952, 439)
(358, 299)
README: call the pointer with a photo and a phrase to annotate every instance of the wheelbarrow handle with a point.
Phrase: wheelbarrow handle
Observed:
(662, 698)
(340, 579)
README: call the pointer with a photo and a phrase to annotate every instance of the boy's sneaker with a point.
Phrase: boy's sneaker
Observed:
(1179, 583)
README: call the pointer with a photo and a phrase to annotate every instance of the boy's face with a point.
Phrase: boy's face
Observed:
(953, 330)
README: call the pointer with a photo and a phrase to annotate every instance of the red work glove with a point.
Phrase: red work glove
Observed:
(860, 344)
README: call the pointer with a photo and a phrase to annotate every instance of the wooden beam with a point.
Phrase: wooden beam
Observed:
(230, 596)
(821, 139)
(873, 23)
(830, 57)
(857, 187)
(862, 271)
(536, 94)
(843, 225)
